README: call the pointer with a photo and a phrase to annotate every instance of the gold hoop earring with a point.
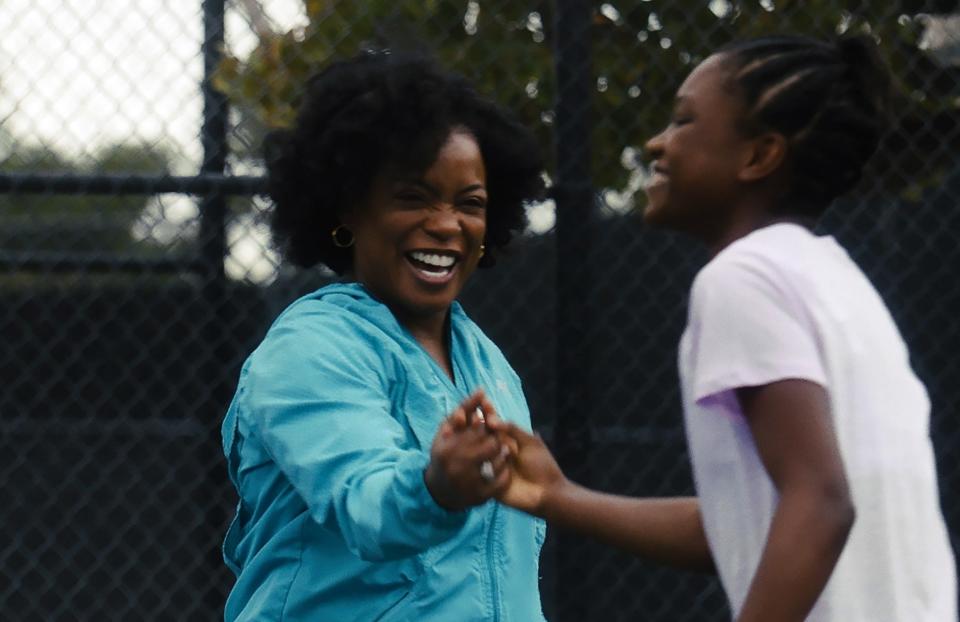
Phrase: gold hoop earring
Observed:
(338, 238)
(483, 249)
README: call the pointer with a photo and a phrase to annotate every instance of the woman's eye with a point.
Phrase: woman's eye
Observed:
(681, 120)
(409, 197)
(474, 203)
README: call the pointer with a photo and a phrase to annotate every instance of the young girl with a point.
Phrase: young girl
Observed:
(807, 428)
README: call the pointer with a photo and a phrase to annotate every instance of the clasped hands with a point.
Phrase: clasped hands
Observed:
(476, 456)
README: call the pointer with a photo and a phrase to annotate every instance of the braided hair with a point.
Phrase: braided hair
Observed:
(828, 99)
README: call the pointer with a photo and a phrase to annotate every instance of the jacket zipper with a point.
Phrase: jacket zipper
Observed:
(491, 562)
(491, 566)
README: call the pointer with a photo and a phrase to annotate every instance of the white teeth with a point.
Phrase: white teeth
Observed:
(440, 261)
(656, 179)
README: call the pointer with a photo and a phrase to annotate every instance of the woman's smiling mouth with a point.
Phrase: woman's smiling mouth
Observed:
(433, 267)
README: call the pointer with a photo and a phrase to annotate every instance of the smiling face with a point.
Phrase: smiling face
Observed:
(697, 157)
(419, 237)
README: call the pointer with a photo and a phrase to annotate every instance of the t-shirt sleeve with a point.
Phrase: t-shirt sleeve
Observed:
(748, 327)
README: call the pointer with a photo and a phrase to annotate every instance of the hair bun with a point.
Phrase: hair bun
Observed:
(861, 56)
(854, 49)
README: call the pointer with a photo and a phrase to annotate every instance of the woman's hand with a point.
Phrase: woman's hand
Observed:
(536, 475)
(533, 473)
(457, 477)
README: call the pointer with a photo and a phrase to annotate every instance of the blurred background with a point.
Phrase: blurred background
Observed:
(136, 271)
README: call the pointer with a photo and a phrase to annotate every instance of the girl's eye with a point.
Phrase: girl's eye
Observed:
(676, 121)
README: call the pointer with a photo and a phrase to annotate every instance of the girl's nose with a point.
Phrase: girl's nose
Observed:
(653, 148)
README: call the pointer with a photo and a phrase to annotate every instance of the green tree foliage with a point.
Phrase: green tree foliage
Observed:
(75, 223)
(642, 49)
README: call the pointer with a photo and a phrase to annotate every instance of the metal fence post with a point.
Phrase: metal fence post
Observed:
(213, 209)
(213, 136)
(574, 197)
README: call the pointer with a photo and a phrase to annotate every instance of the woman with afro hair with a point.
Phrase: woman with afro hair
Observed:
(356, 500)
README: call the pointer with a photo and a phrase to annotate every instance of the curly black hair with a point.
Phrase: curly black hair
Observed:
(380, 109)
(828, 98)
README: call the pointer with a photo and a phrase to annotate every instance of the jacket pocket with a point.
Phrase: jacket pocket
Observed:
(396, 607)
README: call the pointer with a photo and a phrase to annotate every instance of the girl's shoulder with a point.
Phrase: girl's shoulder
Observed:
(773, 244)
(779, 253)
(778, 265)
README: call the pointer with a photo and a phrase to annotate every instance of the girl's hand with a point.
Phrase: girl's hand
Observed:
(468, 464)
(536, 475)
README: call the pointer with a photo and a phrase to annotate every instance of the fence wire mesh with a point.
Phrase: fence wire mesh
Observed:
(136, 272)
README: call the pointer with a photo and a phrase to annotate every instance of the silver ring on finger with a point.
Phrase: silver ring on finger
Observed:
(486, 471)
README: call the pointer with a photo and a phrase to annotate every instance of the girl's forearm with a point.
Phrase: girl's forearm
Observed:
(807, 535)
(667, 531)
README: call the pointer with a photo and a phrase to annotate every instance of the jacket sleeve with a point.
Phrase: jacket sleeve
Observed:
(318, 398)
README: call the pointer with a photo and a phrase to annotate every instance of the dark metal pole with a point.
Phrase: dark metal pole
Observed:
(211, 577)
(213, 136)
(574, 195)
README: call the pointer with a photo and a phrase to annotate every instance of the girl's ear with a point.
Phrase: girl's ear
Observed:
(768, 151)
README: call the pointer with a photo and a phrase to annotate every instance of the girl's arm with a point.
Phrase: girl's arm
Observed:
(792, 429)
(667, 531)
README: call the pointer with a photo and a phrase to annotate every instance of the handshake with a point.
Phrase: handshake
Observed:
(476, 456)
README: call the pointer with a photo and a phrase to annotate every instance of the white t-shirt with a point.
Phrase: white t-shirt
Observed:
(783, 303)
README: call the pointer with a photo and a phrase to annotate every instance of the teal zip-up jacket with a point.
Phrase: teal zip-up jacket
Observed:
(326, 442)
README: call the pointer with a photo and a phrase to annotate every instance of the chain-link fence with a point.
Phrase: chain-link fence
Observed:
(136, 274)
